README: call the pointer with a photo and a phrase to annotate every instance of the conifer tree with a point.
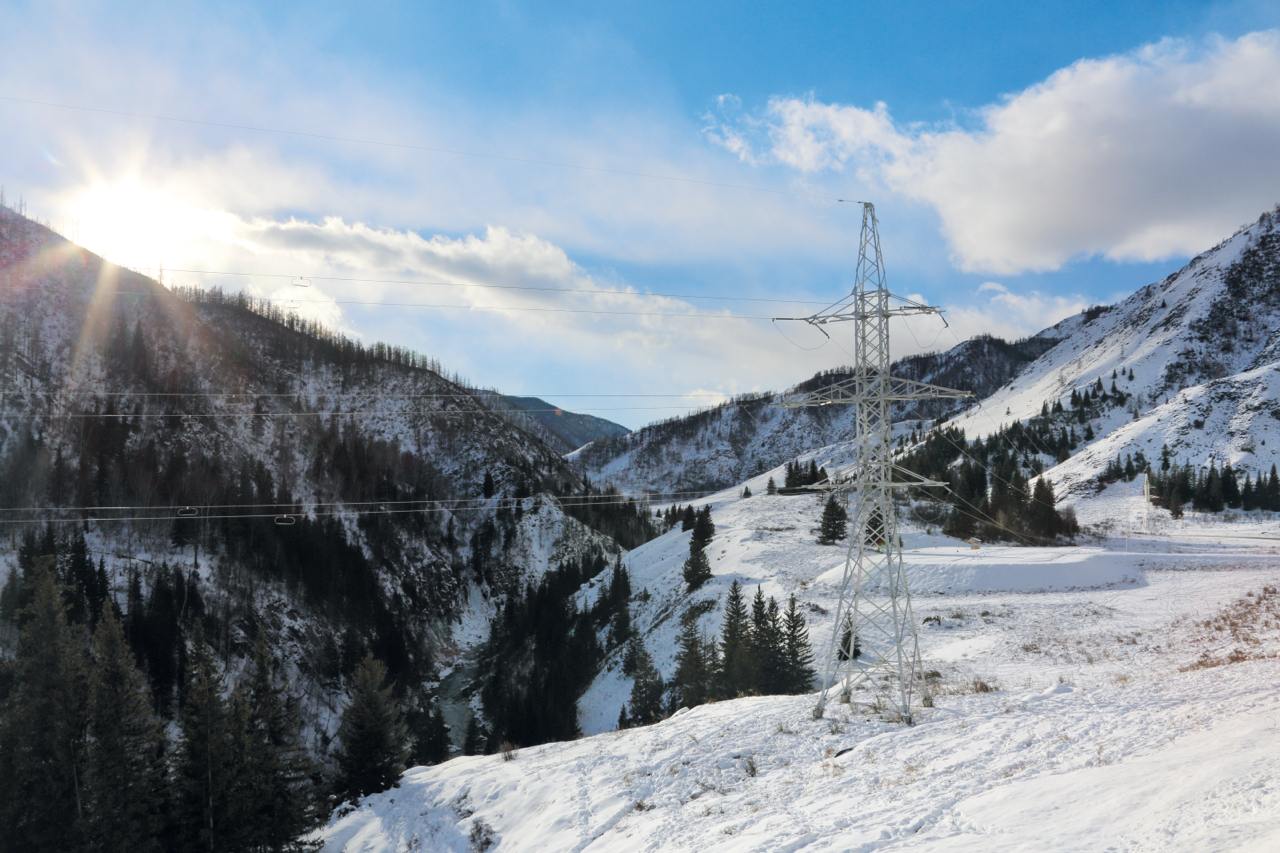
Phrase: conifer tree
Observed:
(646, 691)
(735, 646)
(277, 777)
(766, 644)
(692, 677)
(205, 771)
(1042, 517)
(697, 570)
(834, 524)
(704, 530)
(771, 488)
(125, 775)
(431, 742)
(372, 740)
(798, 652)
(850, 646)
(42, 729)
(473, 741)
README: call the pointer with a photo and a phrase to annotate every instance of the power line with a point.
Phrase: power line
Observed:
(479, 410)
(602, 499)
(605, 291)
(478, 394)
(410, 146)
(462, 307)
(296, 514)
(527, 308)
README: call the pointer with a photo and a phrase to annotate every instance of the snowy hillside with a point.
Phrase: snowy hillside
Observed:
(564, 430)
(343, 499)
(740, 439)
(1201, 347)
(1100, 701)
(770, 541)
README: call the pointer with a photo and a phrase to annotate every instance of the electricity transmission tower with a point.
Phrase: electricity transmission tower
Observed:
(873, 642)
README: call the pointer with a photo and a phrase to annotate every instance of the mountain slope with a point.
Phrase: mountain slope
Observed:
(727, 444)
(342, 500)
(1201, 346)
(564, 430)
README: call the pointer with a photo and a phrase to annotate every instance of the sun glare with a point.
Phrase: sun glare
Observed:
(138, 226)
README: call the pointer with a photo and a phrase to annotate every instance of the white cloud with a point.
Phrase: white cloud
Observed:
(1140, 156)
(1008, 314)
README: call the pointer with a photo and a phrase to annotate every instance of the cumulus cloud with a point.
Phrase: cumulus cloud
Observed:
(1139, 156)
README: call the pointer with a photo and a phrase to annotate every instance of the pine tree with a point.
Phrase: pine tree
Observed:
(125, 777)
(834, 524)
(1042, 517)
(205, 771)
(42, 729)
(704, 530)
(692, 677)
(646, 691)
(850, 645)
(735, 646)
(430, 737)
(372, 740)
(771, 488)
(473, 740)
(277, 778)
(798, 653)
(697, 570)
(766, 644)
(746, 491)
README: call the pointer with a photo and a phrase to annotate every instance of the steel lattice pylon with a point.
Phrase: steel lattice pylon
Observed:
(874, 607)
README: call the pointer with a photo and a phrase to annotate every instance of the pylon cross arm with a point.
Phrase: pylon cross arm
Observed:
(871, 387)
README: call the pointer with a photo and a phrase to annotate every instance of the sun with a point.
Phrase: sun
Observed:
(137, 225)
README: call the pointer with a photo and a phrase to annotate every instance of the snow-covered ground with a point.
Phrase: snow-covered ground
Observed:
(1139, 717)
(1134, 706)
(770, 541)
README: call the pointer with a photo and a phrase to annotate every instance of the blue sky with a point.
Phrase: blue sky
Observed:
(1027, 159)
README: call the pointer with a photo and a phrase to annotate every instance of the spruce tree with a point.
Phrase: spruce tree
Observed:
(798, 653)
(735, 646)
(834, 524)
(372, 740)
(473, 740)
(692, 677)
(766, 644)
(430, 736)
(697, 570)
(646, 691)
(125, 775)
(42, 729)
(205, 771)
(771, 488)
(277, 777)
(704, 530)
(850, 646)
(1042, 517)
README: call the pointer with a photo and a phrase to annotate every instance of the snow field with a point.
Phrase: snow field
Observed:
(1101, 732)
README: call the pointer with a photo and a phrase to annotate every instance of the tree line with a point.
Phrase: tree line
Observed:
(761, 651)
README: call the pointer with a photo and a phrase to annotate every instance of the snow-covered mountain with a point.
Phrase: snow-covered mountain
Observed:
(344, 498)
(1194, 355)
(564, 430)
(739, 439)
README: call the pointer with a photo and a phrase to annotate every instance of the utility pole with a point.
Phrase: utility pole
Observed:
(881, 649)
